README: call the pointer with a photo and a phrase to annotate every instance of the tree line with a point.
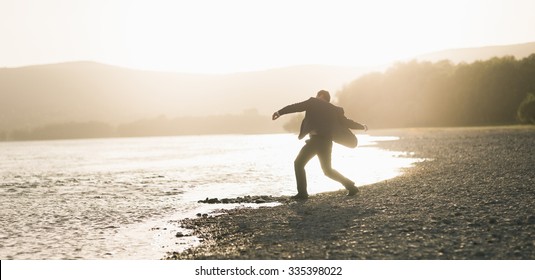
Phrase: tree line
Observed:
(416, 94)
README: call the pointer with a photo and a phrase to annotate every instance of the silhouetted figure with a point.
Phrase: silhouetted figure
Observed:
(325, 123)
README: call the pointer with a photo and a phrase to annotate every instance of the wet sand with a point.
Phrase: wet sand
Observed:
(473, 198)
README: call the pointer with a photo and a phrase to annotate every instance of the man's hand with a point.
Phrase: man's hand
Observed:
(275, 116)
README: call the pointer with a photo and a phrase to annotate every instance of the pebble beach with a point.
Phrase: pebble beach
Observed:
(472, 198)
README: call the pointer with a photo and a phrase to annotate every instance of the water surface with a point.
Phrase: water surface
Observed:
(112, 198)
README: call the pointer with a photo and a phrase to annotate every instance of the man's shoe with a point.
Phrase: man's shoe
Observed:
(352, 191)
(300, 196)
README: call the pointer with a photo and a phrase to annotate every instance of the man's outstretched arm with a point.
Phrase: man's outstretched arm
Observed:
(294, 108)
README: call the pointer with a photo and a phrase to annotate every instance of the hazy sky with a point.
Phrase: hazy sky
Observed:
(218, 36)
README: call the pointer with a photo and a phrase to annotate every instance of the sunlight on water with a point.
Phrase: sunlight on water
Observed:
(112, 198)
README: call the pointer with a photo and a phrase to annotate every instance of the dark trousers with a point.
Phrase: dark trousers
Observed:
(321, 147)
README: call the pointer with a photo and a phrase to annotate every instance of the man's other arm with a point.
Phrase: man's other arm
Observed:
(352, 124)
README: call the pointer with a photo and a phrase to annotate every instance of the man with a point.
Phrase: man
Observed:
(325, 123)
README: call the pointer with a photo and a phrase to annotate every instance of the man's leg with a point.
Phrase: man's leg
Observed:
(324, 155)
(307, 152)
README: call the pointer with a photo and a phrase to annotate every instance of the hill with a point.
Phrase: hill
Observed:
(86, 91)
(88, 99)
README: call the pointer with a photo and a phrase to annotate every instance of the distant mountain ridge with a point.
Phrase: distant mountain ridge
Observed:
(40, 95)
(88, 91)
(469, 55)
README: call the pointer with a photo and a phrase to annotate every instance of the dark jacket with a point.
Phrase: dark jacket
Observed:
(325, 120)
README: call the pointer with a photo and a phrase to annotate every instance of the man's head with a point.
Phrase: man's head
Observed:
(324, 95)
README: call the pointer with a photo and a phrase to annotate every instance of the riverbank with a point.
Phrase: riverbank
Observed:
(472, 199)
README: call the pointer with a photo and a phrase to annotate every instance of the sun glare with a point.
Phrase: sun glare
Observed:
(215, 36)
(236, 35)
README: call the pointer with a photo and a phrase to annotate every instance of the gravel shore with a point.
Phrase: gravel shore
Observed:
(473, 198)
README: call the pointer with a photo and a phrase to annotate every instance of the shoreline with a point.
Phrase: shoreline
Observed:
(472, 199)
